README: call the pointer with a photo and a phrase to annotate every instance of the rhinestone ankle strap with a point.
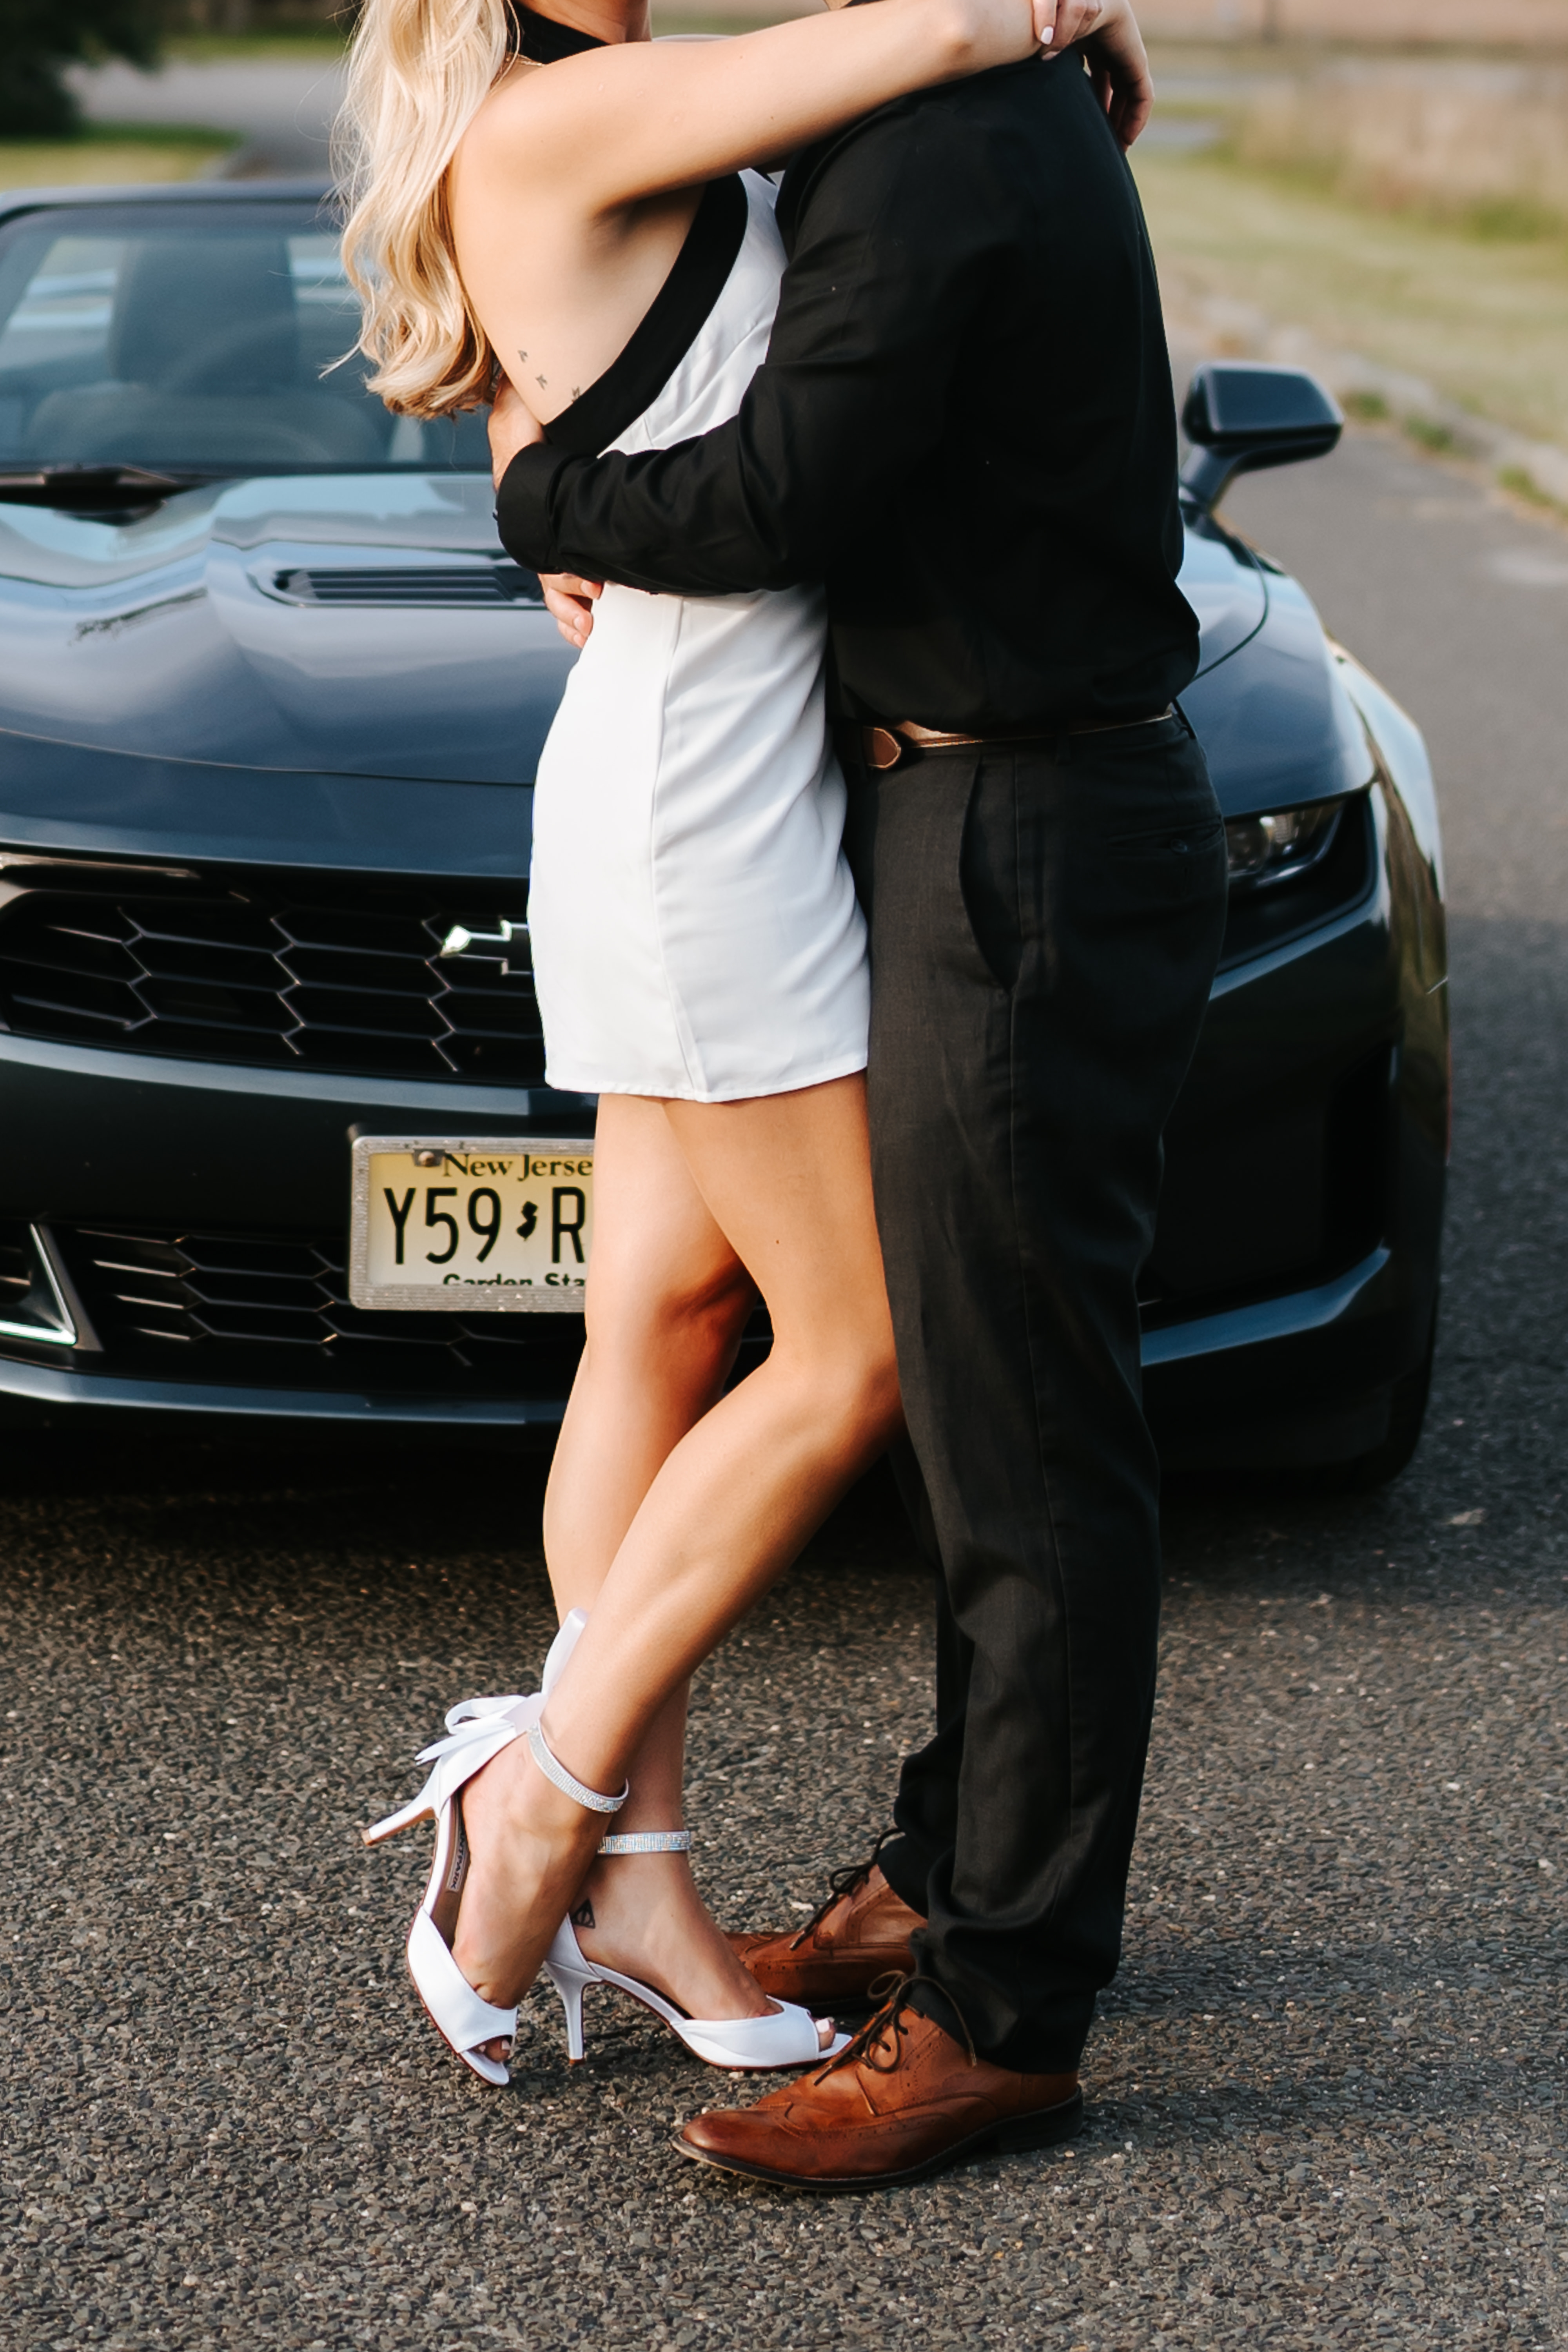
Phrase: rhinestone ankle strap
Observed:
(648, 1841)
(568, 1784)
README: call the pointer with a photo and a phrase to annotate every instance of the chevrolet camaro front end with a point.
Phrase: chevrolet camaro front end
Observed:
(270, 701)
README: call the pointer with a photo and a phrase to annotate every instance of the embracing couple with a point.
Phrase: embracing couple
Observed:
(876, 890)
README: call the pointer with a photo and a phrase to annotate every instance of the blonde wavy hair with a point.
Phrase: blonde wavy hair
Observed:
(419, 71)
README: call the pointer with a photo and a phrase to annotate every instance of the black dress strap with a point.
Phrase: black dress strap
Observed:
(668, 327)
(543, 40)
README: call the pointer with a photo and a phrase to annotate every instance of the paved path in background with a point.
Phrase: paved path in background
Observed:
(1327, 2090)
(283, 108)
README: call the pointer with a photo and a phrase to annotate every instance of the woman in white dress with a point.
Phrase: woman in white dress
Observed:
(557, 202)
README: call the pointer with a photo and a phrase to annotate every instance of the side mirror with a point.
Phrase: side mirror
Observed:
(1242, 416)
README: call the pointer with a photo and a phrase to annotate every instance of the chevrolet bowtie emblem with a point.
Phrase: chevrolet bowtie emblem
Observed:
(458, 940)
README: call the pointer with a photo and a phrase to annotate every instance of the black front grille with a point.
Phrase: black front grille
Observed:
(323, 974)
(255, 1309)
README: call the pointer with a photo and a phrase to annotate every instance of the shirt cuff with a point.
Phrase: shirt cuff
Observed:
(523, 504)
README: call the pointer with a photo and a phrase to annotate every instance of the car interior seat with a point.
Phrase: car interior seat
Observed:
(204, 369)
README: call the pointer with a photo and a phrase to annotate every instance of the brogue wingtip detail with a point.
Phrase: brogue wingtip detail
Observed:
(904, 2102)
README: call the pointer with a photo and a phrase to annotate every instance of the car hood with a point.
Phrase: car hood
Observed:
(1269, 703)
(166, 635)
(171, 637)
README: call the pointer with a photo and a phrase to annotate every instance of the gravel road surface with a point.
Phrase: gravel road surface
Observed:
(1327, 2091)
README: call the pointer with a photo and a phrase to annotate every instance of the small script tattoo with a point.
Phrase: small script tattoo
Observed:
(522, 355)
(577, 391)
(583, 1914)
(542, 379)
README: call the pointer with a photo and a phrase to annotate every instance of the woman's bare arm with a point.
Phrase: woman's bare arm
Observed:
(574, 186)
(596, 132)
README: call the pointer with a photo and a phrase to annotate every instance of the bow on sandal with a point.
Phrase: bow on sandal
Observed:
(477, 1730)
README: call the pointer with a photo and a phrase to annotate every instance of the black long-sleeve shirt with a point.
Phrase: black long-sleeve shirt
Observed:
(964, 426)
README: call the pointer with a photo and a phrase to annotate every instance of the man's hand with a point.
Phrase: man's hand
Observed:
(572, 601)
(512, 426)
(1120, 66)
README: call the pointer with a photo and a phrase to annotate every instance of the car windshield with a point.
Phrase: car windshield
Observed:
(195, 338)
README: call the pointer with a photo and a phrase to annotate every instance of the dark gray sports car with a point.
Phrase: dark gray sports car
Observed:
(274, 1136)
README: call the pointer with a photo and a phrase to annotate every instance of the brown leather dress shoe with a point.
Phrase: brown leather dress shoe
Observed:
(904, 2100)
(860, 1934)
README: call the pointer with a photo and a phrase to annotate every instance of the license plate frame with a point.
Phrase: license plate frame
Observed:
(463, 1293)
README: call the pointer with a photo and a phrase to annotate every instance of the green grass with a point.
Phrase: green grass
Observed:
(1485, 322)
(1428, 434)
(1492, 220)
(112, 154)
(1525, 486)
(1512, 220)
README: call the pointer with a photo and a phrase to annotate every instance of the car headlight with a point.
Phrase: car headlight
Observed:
(1280, 844)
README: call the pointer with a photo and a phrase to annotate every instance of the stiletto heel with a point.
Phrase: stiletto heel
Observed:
(403, 1819)
(463, 2017)
(476, 1731)
(570, 1987)
(786, 2037)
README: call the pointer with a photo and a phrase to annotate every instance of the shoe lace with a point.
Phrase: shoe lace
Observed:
(878, 2045)
(845, 1881)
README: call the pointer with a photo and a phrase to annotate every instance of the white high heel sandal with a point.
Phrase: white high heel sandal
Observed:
(787, 2037)
(477, 1730)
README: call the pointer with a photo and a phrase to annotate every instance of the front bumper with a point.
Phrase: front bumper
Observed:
(1285, 1304)
(90, 1136)
(1307, 1339)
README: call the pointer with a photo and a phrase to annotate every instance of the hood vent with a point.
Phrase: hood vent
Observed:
(488, 587)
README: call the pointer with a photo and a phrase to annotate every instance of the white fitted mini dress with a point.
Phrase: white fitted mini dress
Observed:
(694, 928)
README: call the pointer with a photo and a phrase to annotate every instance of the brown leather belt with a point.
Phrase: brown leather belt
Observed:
(885, 747)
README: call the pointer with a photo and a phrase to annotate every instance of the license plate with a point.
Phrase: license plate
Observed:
(472, 1224)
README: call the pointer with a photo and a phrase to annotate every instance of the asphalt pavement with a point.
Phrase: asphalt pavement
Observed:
(1327, 2090)
(282, 107)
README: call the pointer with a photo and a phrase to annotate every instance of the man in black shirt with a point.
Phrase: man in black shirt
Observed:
(965, 426)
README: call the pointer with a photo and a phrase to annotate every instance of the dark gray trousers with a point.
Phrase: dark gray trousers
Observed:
(1045, 923)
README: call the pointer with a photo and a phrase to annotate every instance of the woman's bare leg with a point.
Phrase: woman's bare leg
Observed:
(668, 1300)
(787, 1179)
